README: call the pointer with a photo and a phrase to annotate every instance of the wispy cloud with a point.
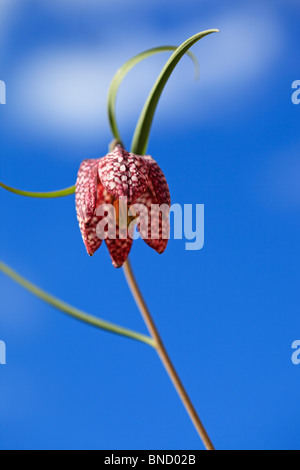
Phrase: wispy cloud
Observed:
(63, 91)
(7, 11)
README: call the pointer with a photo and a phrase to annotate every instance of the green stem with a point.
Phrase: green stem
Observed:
(72, 311)
(45, 195)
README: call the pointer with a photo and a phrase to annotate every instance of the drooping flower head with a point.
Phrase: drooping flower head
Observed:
(117, 176)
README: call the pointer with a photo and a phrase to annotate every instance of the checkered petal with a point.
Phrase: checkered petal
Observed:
(157, 235)
(124, 174)
(158, 181)
(89, 194)
(89, 235)
(117, 175)
(119, 249)
(86, 190)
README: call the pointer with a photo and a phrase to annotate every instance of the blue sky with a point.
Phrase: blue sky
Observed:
(229, 313)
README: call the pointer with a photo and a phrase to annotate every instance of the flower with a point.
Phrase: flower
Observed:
(119, 176)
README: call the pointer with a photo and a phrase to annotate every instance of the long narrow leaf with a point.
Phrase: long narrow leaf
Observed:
(141, 135)
(123, 71)
(72, 311)
(46, 195)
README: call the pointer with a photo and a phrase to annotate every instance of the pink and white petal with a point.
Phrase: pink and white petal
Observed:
(157, 235)
(124, 174)
(158, 181)
(89, 235)
(118, 250)
(86, 190)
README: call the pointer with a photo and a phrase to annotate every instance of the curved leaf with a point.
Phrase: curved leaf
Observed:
(47, 195)
(123, 71)
(141, 135)
(72, 311)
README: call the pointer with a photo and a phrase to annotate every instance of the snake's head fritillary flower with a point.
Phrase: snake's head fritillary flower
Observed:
(110, 179)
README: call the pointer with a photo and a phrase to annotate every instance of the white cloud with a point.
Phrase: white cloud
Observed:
(63, 91)
(249, 42)
(7, 11)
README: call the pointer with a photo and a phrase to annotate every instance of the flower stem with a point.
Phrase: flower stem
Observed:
(165, 359)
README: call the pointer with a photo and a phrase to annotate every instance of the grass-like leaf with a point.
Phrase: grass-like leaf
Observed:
(142, 130)
(123, 71)
(72, 311)
(45, 195)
